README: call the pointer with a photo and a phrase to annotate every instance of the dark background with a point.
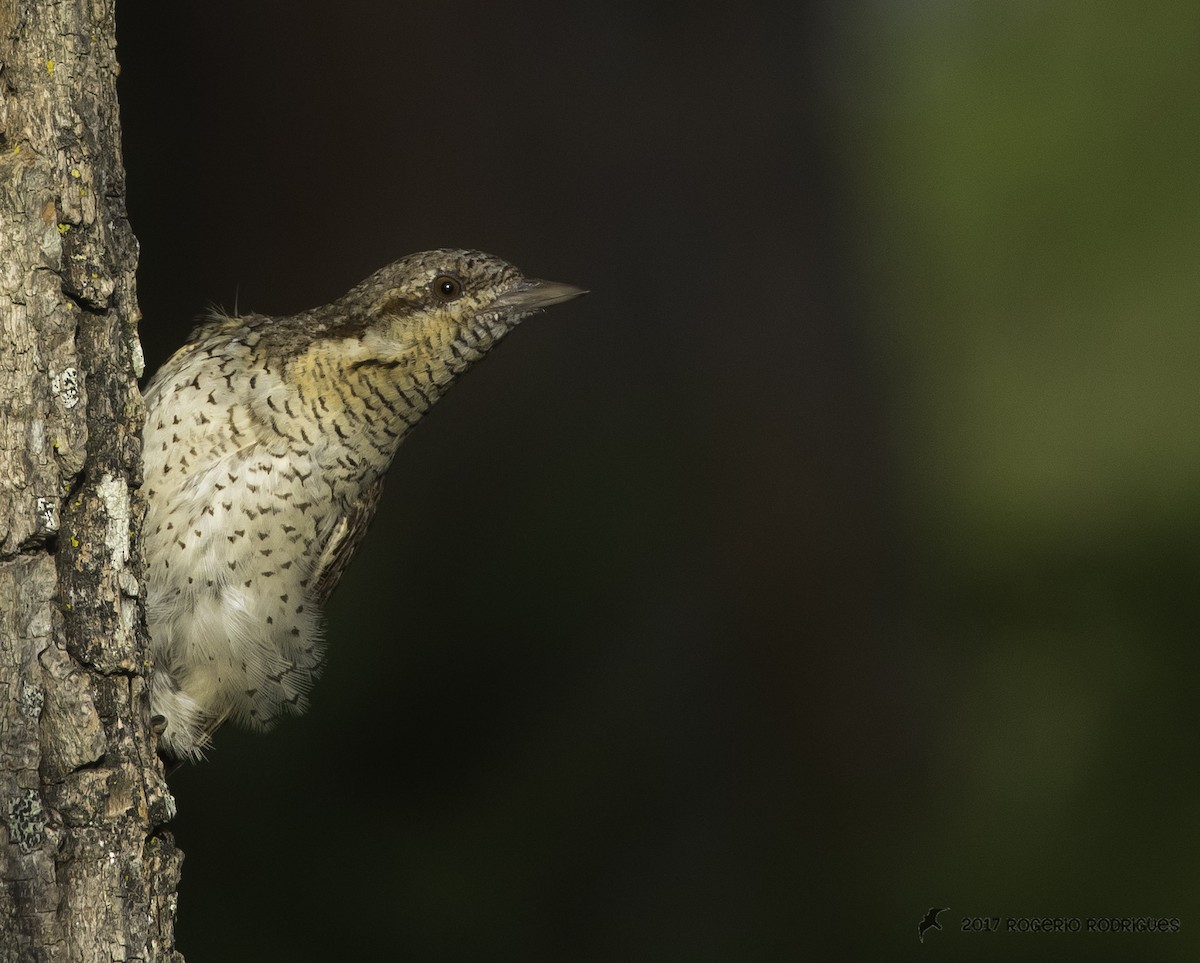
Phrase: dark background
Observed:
(834, 559)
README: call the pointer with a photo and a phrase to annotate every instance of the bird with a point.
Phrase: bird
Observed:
(930, 921)
(266, 445)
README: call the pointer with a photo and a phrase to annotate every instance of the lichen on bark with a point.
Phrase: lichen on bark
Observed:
(86, 870)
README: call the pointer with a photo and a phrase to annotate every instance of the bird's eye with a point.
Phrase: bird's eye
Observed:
(447, 288)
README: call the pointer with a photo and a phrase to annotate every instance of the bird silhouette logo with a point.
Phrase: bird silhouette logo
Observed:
(930, 922)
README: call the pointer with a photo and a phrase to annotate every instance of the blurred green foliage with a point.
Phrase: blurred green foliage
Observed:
(1030, 224)
(1026, 222)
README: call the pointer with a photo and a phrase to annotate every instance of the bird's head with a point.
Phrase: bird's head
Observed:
(448, 304)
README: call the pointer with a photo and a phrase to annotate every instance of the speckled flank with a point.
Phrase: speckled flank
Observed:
(266, 445)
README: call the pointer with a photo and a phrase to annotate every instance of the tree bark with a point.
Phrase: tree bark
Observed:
(85, 871)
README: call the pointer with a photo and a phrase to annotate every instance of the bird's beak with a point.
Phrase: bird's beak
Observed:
(531, 294)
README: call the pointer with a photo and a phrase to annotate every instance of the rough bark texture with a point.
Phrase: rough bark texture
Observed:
(85, 874)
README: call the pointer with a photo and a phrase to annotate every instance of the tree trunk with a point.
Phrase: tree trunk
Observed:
(86, 874)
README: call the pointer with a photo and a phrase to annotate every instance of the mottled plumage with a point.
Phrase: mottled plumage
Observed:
(266, 446)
